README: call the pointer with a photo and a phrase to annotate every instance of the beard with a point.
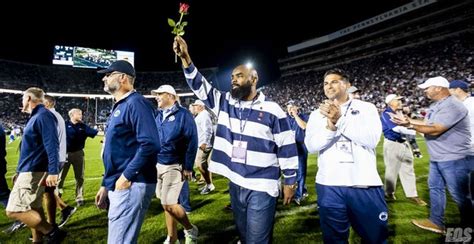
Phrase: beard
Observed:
(112, 87)
(241, 92)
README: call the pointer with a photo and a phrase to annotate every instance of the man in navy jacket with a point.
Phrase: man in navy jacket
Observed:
(39, 160)
(179, 142)
(131, 146)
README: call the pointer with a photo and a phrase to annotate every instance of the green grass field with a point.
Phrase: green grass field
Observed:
(294, 224)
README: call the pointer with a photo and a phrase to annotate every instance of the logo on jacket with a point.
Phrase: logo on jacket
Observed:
(171, 118)
(355, 112)
(117, 113)
(383, 216)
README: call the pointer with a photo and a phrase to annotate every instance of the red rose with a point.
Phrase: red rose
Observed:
(183, 8)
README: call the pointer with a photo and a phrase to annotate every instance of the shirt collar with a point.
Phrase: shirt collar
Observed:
(260, 99)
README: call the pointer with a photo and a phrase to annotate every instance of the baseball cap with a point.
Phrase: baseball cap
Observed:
(290, 102)
(164, 88)
(390, 97)
(435, 81)
(458, 84)
(198, 102)
(121, 66)
(352, 89)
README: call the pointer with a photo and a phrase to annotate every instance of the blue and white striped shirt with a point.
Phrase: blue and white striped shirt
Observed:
(270, 142)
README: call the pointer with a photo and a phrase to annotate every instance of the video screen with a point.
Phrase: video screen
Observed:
(63, 55)
(93, 58)
(84, 57)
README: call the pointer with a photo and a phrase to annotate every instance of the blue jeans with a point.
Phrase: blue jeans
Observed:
(183, 198)
(362, 208)
(127, 211)
(254, 214)
(301, 175)
(454, 176)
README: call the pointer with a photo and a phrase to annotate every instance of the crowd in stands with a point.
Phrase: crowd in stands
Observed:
(396, 72)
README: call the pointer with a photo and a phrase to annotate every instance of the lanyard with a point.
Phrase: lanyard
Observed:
(242, 126)
(348, 107)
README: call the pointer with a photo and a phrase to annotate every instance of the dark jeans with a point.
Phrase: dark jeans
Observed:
(453, 175)
(183, 198)
(254, 214)
(301, 175)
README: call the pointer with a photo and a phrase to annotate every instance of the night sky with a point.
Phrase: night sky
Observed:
(220, 33)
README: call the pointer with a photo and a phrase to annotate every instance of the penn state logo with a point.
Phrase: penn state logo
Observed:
(383, 216)
(117, 113)
(171, 118)
(355, 112)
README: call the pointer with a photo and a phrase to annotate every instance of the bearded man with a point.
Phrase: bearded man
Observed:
(253, 144)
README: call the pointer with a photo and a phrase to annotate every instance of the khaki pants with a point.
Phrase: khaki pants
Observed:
(76, 159)
(27, 193)
(398, 160)
(170, 182)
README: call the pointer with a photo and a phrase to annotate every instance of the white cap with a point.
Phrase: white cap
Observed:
(353, 89)
(435, 81)
(164, 88)
(198, 102)
(390, 97)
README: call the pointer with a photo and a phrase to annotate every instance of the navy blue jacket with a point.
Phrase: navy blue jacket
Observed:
(131, 142)
(39, 150)
(388, 125)
(77, 134)
(179, 140)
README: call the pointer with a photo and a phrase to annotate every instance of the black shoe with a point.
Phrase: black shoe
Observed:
(66, 214)
(14, 227)
(56, 236)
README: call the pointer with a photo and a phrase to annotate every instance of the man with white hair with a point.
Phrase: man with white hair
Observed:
(448, 138)
(397, 154)
(205, 140)
(39, 160)
(77, 133)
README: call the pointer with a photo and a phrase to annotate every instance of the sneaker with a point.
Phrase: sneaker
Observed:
(297, 201)
(426, 224)
(80, 203)
(56, 236)
(390, 197)
(191, 235)
(14, 227)
(168, 241)
(418, 201)
(207, 189)
(65, 215)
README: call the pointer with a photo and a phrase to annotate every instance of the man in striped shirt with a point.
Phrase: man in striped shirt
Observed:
(253, 144)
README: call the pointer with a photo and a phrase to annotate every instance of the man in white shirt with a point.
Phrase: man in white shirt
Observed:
(397, 154)
(345, 132)
(205, 140)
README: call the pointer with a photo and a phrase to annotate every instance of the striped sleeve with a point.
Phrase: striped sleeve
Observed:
(202, 88)
(287, 152)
